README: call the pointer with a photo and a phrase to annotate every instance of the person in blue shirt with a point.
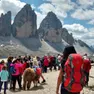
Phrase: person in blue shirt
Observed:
(4, 78)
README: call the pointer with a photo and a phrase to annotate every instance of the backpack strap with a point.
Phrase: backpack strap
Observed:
(82, 80)
(63, 61)
(69, 87)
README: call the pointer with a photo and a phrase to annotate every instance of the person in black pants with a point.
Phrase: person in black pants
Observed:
(14, 79)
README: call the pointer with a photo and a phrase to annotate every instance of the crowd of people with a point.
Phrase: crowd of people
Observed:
(12, 70)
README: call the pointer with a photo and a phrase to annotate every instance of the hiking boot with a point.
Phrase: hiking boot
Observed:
(43, 81)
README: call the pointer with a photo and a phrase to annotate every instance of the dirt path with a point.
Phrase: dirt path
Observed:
(50, 86)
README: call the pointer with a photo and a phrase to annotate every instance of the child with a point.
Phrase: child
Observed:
(4, 78)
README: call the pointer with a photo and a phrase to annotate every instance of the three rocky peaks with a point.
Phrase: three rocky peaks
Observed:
(25, 26)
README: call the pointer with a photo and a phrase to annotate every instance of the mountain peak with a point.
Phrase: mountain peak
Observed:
(25, 23)
(51, 14)
(27, 6)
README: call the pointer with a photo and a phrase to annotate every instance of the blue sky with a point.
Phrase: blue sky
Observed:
(76, 15)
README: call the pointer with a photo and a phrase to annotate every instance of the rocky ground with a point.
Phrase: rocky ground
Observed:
(50, 86)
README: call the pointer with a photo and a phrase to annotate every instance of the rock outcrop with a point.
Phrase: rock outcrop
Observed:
(25, 23)
(5, 24)
(67, 37)
(50, 28)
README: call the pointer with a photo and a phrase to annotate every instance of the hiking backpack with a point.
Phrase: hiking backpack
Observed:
(74, 78)
(12, 69)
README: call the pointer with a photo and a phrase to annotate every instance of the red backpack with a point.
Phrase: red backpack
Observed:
(74, 78)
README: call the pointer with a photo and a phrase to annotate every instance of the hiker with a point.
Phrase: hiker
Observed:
(16, 73)
(45, 63)
(4, 78)
(54, 62)
(58, 61)
(38, 70)
(66, 87)
(87, 67)
(9, 61)
(50, 59)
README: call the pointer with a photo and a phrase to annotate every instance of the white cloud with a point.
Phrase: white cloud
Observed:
(90, 34)
(12, 21)
(84, 10)
(83, 14)
(91, 22)
(46, 7)
(40, 17)
(85, 3)
(33, 6)
(64, 5)
(76, 28)
(89, 37)
(11, 5)
(59, 7)
(80, 32)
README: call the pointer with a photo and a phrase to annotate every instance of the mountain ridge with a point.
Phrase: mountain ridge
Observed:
(25, 38)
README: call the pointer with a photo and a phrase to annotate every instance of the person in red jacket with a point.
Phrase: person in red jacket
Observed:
(87, 67)
(45, 63)
(1, 65)
(60, 81)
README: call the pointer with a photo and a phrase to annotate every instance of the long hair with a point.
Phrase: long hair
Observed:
(67, 51)
(4, 67)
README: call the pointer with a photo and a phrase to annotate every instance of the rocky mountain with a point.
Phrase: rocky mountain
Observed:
(5, 24)
(50, 28)
(26, 39)
(92, 47)
(25, 23)
(67, 37)
(82, 48)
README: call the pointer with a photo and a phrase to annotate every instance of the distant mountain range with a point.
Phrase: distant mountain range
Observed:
(22, 37)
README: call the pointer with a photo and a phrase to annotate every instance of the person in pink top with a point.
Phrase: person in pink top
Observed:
(16, 74)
